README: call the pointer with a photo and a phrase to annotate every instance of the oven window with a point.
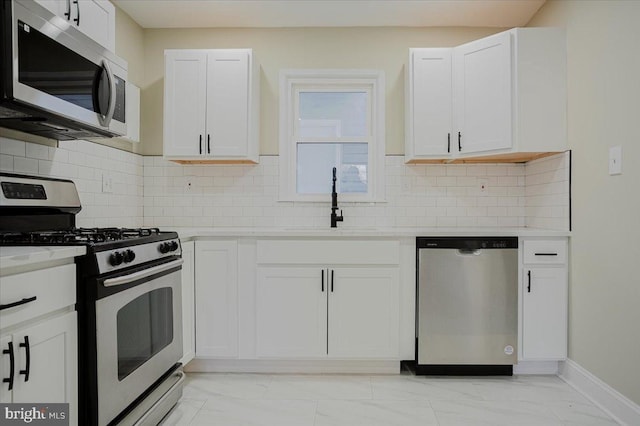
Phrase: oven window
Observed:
(145, 326)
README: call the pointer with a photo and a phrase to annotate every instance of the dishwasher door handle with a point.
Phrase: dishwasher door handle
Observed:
(469, 252)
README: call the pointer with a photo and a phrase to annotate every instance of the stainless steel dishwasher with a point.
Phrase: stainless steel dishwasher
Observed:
(467, 298)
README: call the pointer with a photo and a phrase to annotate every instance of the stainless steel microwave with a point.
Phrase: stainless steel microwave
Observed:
(55, 81)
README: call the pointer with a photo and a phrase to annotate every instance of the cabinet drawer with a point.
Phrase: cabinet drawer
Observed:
(549, 252)
(334, 252)
(53, 288)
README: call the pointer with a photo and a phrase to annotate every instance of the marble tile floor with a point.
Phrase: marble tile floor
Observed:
(385, 400)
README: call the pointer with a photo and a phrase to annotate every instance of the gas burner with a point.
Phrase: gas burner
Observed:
(116, 234)
(76, 236)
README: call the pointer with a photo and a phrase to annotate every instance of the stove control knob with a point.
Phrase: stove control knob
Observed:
(116, 258)
(173, 246)
(129, 255)
(164, 248)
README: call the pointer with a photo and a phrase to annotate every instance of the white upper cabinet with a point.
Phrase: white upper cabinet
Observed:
(95, 18)
(429, 126)
(502, 97)
(482, 94)
(185, 102)
(211, 106)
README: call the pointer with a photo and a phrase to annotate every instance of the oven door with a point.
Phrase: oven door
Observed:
(138, 334)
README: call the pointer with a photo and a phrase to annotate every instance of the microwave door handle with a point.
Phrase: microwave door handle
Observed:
(106, 118)
(126, 279)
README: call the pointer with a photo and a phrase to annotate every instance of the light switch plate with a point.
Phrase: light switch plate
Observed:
(615, 160)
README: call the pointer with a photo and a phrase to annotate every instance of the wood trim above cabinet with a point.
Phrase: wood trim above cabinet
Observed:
(512, 157)
(212, 161)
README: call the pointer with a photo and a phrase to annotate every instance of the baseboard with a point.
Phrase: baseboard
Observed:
(536, 367)
(618, 406)
(204, 365)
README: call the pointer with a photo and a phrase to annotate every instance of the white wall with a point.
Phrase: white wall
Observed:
(603, 111)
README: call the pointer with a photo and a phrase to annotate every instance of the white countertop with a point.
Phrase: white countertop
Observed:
(190, 233)
(22, 255)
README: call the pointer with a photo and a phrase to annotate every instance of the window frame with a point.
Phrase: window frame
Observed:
(294, 81)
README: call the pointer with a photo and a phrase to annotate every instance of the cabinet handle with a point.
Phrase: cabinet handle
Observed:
(208, 144)
(12, 362)
(77, 20)
(546, 254)
(27, 353)
(322, 281)
(529, 284)
(67, 14)
(459, 143)
(448, 142)
(200, 144)
(332, 281)
(18, 303)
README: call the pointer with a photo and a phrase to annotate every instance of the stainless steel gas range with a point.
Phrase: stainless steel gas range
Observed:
(128, 301)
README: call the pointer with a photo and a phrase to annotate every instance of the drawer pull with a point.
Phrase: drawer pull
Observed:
(546, 254)
(18, 303)
(12, 362)
(27, 355)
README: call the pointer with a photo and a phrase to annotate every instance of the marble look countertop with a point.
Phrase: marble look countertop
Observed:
(14, 256)
(344, 232)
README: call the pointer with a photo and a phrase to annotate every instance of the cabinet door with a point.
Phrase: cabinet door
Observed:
(216, 297)
(544, 317)
(363, 313)
(430, 109)
(188, 303)
(96, 18)
(52, 365)
(227, 103)
(291, 312)
(482, 86)
(184, 103)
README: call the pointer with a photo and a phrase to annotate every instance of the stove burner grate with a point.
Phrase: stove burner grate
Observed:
(76, 236)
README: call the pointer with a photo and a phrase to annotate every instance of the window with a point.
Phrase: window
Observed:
(331, 118)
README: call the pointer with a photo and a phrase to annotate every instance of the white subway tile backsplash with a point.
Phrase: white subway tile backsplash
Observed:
(151, 191)
(27, 166)
(12, 147)
(85, 163)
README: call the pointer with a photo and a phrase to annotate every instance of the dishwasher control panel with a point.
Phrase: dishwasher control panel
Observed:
(468, 243)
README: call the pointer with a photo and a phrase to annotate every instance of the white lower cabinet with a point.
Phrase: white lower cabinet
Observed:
(216, 298)
(46, 352)
(188, 303)
(363, 313)
(327, 299)
(38, 337)
(291, 312)
(312, 312)
(544, 309)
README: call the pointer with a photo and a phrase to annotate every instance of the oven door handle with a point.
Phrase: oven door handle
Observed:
(126, 279)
